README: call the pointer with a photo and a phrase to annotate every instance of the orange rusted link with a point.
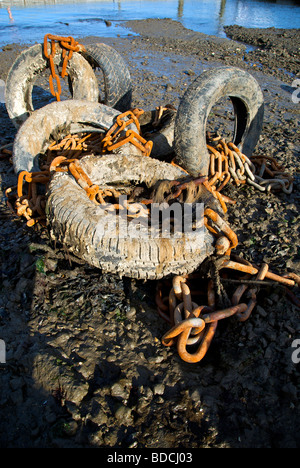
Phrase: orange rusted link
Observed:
(234, 147)
(273, 276)
(203, 347)
(68, 46)
(213, 150)
(92, 193)
(81, 172)
(21, 177)
(222, 245)
(225, 181)
(216, 218)
(179, 312)
(240, 267)
(213, 179)
(238, 294)
(136, 139)
(41, 176)
(187, 300)
(84, 181)
(66, 57)
(222, 314)
(224, 146)
(132, 119)
(58, 92)
(216, 194)
(280, 279)
(294, 277)
(176, 282)
(56, 162)
(46, 37)
(70, 143)
(78, 176)
(52, 66)
(220, 197)
(228, 200)
(212, 164)
(244, 315)
(184, 326)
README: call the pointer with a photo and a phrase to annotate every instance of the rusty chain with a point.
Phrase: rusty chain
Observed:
(114, 140)
(68, 45)
(195, 326)
(227, 163)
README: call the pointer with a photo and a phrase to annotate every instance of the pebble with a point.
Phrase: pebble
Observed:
(123, 414)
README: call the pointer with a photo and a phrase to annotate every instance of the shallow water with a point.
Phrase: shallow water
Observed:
(32, 19)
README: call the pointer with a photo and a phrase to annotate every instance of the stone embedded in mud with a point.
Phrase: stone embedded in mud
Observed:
(123, 414)
(121, 389)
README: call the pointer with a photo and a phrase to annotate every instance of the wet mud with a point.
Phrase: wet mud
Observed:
(85, 366)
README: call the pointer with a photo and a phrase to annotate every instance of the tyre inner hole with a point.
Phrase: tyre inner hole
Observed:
(222, 119)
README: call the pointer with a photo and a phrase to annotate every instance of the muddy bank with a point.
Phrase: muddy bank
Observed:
(85, 363)
(276, 51)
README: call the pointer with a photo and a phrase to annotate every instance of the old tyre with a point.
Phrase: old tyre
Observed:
(85, 230)
(160, 132)
(30, 63)
(55, 121)
(81, 78)
(117, 81)
(194, 108)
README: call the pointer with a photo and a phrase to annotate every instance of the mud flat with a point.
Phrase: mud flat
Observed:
(85, 366)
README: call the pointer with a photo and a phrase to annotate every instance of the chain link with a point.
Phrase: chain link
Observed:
(68, 45)
(114, 139)
(228, 163)
(192, 324)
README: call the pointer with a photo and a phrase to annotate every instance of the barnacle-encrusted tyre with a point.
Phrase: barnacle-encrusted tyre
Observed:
(110, 242)
(82, 80)
(56, 120)
(196, 104)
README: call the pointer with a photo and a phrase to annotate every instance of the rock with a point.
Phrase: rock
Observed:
(159, 389)
(123, 414)
(121, 389)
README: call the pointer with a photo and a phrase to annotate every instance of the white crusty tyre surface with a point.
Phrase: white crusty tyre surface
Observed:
(195, 106)
(86, 231)
(59, 119)
(32, 62)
